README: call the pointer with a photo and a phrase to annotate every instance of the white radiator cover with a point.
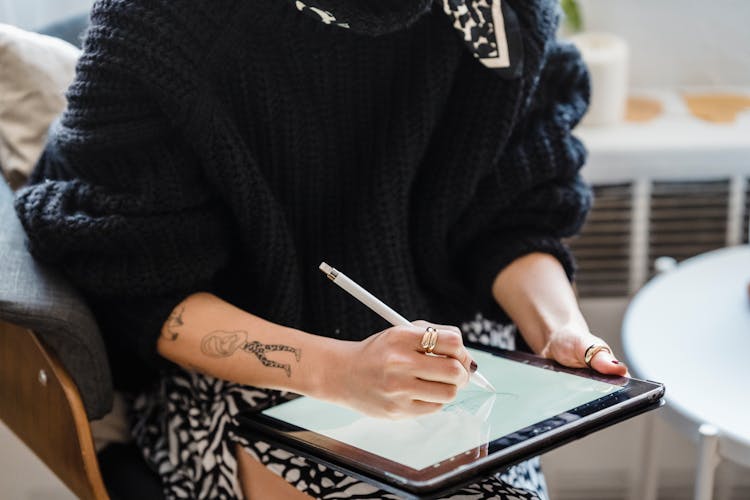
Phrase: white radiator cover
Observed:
(634, 223)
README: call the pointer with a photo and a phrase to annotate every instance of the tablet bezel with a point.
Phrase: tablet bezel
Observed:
(502, 452)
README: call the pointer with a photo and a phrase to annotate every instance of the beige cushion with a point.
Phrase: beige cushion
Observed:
(35, 72)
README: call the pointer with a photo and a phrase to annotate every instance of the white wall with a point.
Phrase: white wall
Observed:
(679, 42)
(34, 14)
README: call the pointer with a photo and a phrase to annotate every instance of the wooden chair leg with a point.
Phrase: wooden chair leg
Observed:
(40, 403)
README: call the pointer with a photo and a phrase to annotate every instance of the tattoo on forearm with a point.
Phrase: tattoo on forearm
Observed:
(220, 344)
(259, 350)
(173, 323)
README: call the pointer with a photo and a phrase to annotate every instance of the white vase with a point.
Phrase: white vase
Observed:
(606, 56)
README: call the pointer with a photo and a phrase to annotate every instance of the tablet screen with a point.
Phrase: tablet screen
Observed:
(526, 395)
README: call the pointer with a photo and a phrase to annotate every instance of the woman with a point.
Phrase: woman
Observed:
(212, 154)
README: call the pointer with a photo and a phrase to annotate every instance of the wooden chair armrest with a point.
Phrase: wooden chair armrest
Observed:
(40, 403)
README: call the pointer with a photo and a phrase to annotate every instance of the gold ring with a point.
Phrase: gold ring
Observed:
(429, 340)
(592, 351)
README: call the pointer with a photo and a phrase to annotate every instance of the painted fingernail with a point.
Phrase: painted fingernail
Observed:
(614, 361)
(474, 366)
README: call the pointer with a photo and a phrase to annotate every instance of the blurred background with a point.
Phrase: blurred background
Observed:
(35, 14)
(669, 142)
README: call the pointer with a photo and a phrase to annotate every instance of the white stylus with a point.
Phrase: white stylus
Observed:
(386, 312)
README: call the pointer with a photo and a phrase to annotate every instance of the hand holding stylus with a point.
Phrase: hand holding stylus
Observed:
(450, 367)
(388, 314)
(388, 376)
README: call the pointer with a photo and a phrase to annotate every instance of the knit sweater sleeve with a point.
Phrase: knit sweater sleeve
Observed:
(118, 203)
(534, 195)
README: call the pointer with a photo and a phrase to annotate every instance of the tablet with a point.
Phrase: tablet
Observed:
(538, 405)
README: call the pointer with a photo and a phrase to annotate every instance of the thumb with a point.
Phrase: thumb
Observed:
(604, 361)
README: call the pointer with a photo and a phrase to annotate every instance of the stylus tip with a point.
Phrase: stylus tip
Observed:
(479, 379)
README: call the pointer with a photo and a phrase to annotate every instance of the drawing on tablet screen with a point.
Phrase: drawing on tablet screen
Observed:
(471, 401)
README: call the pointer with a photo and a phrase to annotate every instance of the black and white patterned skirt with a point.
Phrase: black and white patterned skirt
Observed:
(187, 431)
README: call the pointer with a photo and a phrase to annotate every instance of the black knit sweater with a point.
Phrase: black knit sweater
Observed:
(232, 146)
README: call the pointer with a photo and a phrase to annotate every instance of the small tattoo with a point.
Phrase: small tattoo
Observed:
(173, 322)
(221, 344)
(259, 350)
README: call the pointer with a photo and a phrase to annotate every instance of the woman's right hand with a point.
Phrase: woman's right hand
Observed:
(388, 374)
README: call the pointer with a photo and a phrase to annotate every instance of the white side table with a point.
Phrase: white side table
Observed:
(690, 329)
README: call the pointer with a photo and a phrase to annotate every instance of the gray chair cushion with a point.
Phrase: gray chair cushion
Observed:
(38, 298)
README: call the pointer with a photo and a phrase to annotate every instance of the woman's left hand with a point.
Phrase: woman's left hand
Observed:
(535, 292)
(568, 345)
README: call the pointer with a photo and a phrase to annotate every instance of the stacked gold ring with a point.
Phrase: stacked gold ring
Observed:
(592, 351)
(429, 340)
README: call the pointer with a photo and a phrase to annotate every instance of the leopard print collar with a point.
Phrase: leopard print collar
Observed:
(488, 28)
